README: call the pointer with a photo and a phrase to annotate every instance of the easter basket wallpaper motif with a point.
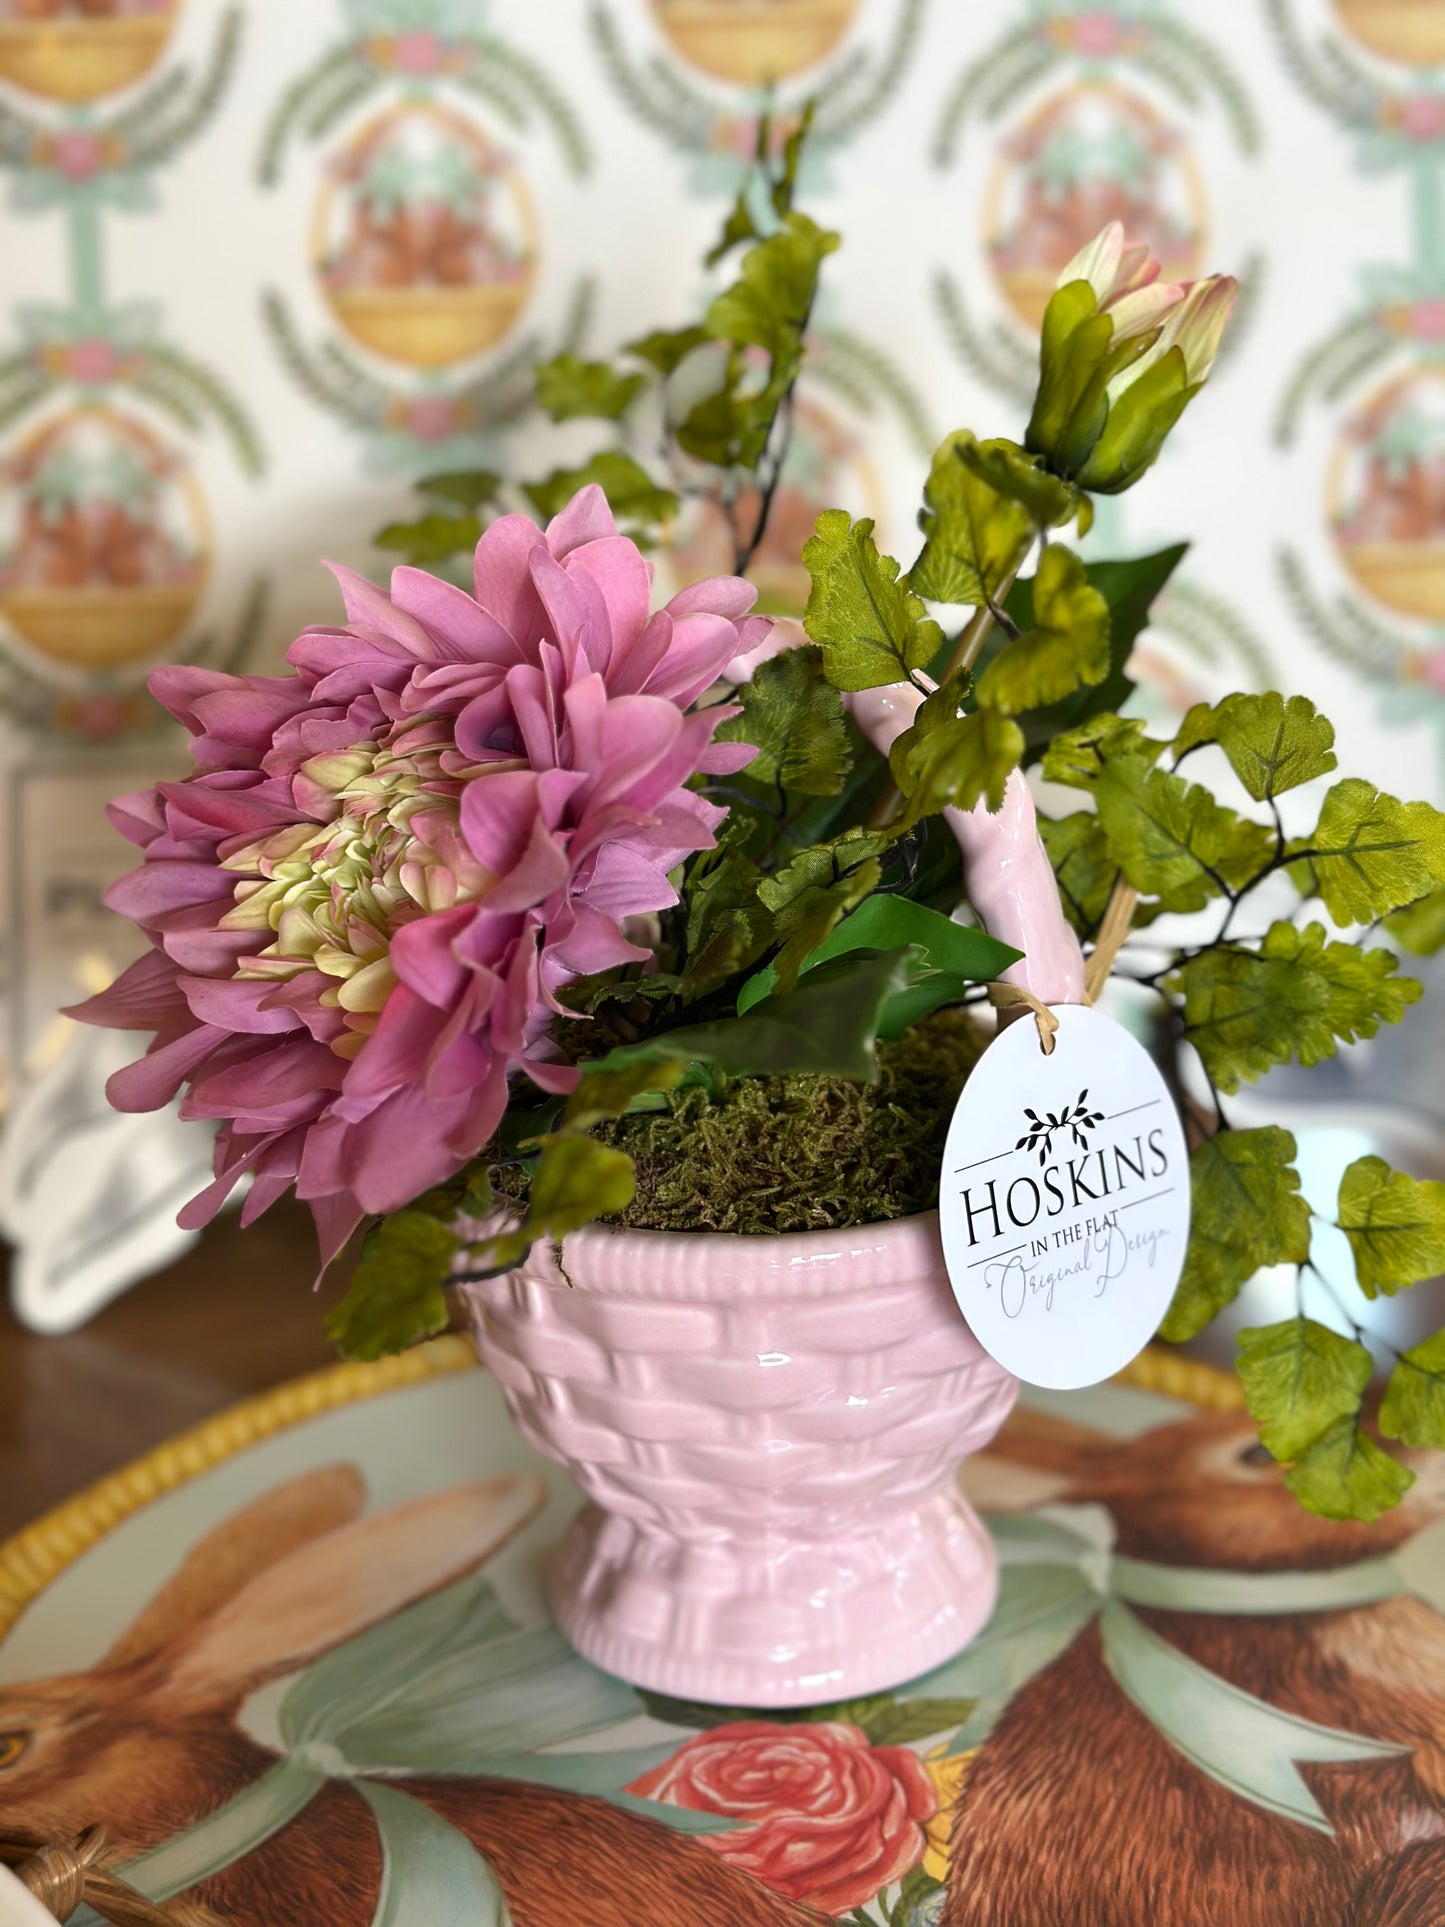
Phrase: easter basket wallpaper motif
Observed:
(316, 1682)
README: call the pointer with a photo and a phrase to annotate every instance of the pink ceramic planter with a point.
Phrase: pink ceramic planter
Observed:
(768, 1430)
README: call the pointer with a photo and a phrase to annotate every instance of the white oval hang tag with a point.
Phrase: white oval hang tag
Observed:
(1064, 1200)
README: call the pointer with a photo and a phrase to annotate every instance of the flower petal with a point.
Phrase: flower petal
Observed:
(623, 577)
(464, 630)
(503, 578)
(586, 518)
(372, 608)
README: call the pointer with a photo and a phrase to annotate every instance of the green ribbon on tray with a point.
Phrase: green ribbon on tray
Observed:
(430, 1871)
(1055, 1581)
(450, 1687)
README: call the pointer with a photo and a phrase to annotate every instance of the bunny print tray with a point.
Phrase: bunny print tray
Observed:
(299, 1664)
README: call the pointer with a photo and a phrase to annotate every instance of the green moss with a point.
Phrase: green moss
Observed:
(804, 1153)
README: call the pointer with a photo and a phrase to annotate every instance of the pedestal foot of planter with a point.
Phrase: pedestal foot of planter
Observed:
(776, 1622)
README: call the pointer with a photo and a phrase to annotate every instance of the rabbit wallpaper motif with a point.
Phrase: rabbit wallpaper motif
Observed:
(320, 1673)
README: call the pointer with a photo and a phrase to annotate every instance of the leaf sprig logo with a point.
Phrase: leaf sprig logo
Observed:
(1076, 1118)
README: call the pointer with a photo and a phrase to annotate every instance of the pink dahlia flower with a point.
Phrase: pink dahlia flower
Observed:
(362, 902)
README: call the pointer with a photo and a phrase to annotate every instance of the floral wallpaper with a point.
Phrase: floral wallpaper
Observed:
(267, 263)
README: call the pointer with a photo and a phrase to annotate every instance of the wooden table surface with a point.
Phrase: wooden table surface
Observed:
(234, 1315)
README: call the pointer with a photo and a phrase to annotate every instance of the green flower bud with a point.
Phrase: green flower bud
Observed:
(1121, 355)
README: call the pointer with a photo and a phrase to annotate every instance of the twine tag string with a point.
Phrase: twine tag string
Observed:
(1015, 997)
(63, 1874)
(1113, 929)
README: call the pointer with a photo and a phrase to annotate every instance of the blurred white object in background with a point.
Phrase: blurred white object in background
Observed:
(88, 1195)
(1383, 1097)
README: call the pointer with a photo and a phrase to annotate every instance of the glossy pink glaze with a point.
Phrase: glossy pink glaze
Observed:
(1007, 874)
(767, 1429)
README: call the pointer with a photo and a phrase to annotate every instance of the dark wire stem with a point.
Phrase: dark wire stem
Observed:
(909, 854)
(1183, 956)
(1223, 931)
(748, 802)
(743, 552)
(1332, 1292)
(1005, 621)
(780, 816)
(1363, 1334)
(1279, 835)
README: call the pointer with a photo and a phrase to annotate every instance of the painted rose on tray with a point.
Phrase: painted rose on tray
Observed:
(830, 1820)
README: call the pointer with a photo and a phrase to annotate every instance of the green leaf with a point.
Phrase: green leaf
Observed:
(467, 488)
(1077, 757)
(1298, 996)
(944, 948)
(568, 387)
(1082, 866)
(395, 1298)
(576, 1180)
(604, 1094)
(768, 308)
(1171, 839)
(793, 716)
(665, 349)
(432, 537)
(781, 177)
(871, 629)
(974, 537)
(1395, 1225)
(1420, 926)
(737, 228)
(695, 1713)
(728, 927)
(1272, 745)
(1345, 1475)
(918, 1901)
(1246, 1212)
(1130, 589)
(888, 922)
(1019, 477)
(785, 180)
(1413, 1408)
(631, 492)
(1299, 1379)
(945, 758)
(900, 1722)
(719, 429)
(469, 1194)
(1371, 854)
(830, 1023)
(925, 992)
(738, 224)
(814, 889)
(1068, 646)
